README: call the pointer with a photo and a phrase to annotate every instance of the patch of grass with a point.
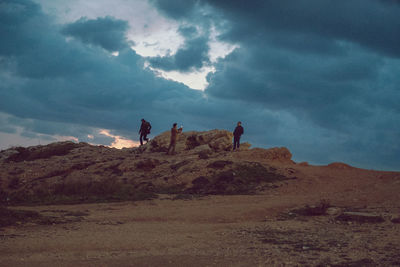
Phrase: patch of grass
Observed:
(11, 217)
(173, 189)
(219, 164)
(147, 164)
(80, 192)
(239, 179)
(192, 142)
(178, 165)
(186, 196)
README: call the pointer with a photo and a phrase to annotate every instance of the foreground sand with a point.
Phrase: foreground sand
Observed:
(209, 231)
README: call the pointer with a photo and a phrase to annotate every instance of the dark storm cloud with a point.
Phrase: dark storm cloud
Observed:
(177, 8)
(105, 32)
(330, 65)
(369, 23)
(192, 55)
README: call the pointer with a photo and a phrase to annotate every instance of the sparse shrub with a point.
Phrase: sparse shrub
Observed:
(205, 154)
(191, 142)
(314, 210)
(147, 164)
(14, 183)
(173, 189)
(175, 167)
(156, 147)
(186, 196)
(240, 179)
(74, 192)
(219, 164)
(10, 217)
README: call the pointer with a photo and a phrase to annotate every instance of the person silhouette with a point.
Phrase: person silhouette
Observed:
(236, 135)
(145, 128)
(174, 137)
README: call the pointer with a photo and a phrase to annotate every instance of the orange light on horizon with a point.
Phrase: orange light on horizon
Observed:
(119, 141)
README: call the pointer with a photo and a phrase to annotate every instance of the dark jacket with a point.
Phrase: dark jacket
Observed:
(238, 131)
(145, 127)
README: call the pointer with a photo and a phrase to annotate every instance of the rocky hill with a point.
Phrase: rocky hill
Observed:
(203, 165)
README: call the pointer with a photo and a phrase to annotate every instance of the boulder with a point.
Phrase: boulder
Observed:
(245, 146)
(304, 163)
(217, 140)
(281, 154)
(360, 217)
(395, 219)
(340, 165)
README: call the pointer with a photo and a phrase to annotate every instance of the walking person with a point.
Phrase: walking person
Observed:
(174, 137)
(236, 135)
(145, 128)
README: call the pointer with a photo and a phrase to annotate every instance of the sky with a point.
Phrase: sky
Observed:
(319, 77)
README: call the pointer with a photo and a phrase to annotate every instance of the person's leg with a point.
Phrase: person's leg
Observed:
(169, 148)
(145, 138)
(141, 139)
(173, 148)
(238, 142)
(234, 142)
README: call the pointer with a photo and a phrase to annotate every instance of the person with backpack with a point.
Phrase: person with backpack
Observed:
(236, 135)
(144, 131)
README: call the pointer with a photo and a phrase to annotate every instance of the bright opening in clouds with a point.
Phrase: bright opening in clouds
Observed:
(119, 141)
(315, 76)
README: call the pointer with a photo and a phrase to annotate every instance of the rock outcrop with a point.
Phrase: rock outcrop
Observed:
(216, 140)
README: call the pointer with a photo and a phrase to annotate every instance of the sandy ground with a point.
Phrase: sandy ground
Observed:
(247, 230)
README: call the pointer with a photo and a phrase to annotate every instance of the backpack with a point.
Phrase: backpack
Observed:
(148, 127)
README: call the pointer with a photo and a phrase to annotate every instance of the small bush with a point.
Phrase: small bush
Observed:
(192, 142)
(81, 192)
(315, 210)
(14, 183)
(10, 217)
(219, 164)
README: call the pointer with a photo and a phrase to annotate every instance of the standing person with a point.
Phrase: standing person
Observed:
(144, 131)
(174, 137)
(236, 135)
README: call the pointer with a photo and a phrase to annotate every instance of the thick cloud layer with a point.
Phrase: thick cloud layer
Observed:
(319, 77)
(105, 32)
(192, 55)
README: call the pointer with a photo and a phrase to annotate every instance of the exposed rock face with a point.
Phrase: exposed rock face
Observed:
(340, 165)
(216, 140)
(281, 154)
(19, 154)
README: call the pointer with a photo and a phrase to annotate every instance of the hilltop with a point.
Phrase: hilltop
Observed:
(203, 165)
